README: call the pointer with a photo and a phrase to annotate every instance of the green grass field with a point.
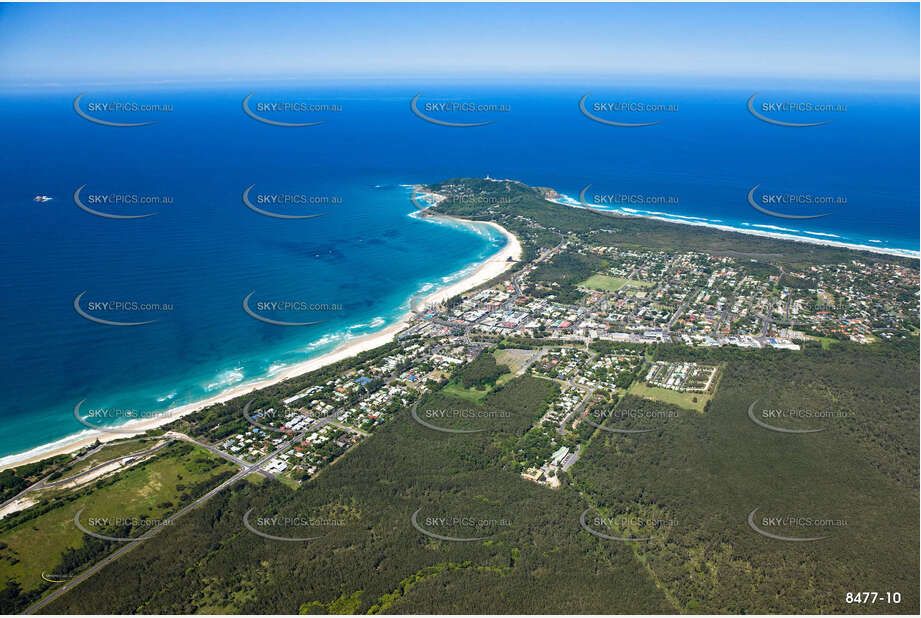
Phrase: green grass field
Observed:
(709, 471)
(37, 544)
(611, 284)
(455, 389)
(108, 453)
(827, 342)
(512, 358)
(515, 359)
(664, 395)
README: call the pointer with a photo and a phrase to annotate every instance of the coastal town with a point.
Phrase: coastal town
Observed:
(583, 317)
(640, 299)
(694, 299)
(461, 308)
(633, 298)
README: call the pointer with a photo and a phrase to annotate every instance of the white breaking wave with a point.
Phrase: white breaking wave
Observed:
(47, 448)
(775, 227)
(776, 231)
(226, 378)
(276, 367)
(684, 217)
(324, 340)
(374, 323)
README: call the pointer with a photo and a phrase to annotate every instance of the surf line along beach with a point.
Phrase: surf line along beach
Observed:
(487, 269)
(769, 231)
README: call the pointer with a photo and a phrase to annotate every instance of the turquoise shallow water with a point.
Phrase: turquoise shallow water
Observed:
(368, 262)
(205, 250)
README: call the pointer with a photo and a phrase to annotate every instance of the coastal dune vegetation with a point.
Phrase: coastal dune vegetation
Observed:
(684, 487)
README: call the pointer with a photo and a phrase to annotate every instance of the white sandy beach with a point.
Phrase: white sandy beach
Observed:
(573, 203)
(493, 266)
(486, 270)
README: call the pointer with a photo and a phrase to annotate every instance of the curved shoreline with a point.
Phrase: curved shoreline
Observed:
(484, 271)
(685, 220)
(494, 265)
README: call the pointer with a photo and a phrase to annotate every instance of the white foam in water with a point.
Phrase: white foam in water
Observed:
(47, 448)
(276, 367)
(374, 323)
(685, 217)
(325, 340)
(226, 378)
(776, 231)
(775, 227)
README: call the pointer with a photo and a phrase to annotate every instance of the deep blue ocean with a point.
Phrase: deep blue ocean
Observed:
(205, 251)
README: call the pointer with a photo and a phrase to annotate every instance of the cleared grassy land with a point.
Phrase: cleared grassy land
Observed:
(611, 284)
(664, 395)
(487, 364)
(826, 342)
(151, 489)
(709, 471)
(455, 389)
(515, 359)
(541, 562)
(108, 453)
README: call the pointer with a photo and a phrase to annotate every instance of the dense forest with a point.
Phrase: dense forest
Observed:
(709, 471)
(689, 485)
(702, 472)
(482, 372)
(538, 561)
(539, 223)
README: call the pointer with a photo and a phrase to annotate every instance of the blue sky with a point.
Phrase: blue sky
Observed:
(78, 42)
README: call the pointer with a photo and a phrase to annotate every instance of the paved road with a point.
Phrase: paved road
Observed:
(681, 309)
(724, 315)
(76, 581)
(766, 319)
(44, 483)
(213, 449)
(247, 469)
(348, 428)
